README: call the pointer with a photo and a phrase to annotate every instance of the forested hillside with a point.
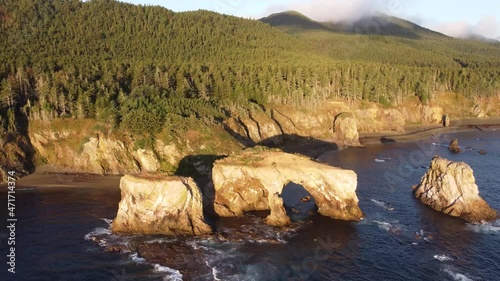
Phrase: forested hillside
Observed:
(144, 68)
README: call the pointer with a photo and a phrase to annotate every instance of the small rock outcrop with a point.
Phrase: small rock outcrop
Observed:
(346, 129)
(449, 187)
(253, 180)
(454, 147)
(160, 204)
(446, 120)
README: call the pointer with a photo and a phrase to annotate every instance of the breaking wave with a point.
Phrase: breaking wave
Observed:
(382, 204)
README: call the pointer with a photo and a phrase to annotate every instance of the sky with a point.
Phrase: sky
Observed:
(457, 18)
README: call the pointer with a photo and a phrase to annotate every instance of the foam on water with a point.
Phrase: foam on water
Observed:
(457, 276)
(135, 258)
(380, 160)
(443, 258)
(382, 204)
(486, 227)
(161, 240)
(97, 232)
(214, 271)
(440, 144)
(108, 221)
(383, 225)
(172, 274)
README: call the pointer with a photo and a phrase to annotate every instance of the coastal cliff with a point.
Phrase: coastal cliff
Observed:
(159, 204)
(87, 146)
(253, 180)
(450, 187)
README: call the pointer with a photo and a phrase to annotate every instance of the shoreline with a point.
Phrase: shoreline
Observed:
(418, 132)
(48, 176)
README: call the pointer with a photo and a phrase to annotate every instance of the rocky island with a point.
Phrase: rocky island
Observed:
(450, 187)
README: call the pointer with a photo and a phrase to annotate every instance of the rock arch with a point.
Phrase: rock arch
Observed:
(254, 181)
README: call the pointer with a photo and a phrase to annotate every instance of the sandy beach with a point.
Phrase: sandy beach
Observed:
(48, 176)
(416, 132)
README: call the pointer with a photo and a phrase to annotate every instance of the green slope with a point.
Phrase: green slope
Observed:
(141, 68)
(384, 38)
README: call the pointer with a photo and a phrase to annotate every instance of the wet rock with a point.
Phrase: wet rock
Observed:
(160, 204)
(482, 152)
(454, 147)
(450, 188)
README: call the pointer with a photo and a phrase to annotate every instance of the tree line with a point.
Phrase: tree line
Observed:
(142, 68)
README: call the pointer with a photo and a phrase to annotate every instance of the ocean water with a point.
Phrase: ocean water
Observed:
(62, 233)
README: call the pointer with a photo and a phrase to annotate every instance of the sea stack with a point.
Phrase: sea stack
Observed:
(446, 120)
(449, 187)
(346, 129)
(160, 204)
(254, 180)
(453, 147)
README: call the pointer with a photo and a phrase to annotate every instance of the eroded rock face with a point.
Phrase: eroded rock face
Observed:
(449, 187)
(159, 204)
(251, 181)
(16, 155)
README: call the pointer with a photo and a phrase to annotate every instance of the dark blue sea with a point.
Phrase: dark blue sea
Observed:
(62, 233)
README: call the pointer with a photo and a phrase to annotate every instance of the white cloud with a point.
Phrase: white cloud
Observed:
(488, 26)
(340, 10)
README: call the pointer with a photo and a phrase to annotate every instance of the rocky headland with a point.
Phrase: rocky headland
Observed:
(450, 187)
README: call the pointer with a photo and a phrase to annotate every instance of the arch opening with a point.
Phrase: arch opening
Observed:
(298, 202)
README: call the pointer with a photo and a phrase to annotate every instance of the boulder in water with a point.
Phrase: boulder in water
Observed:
(453, 147)
(449, 187)
(160, 204)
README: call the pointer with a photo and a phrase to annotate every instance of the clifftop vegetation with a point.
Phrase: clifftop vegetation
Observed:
(144, 68)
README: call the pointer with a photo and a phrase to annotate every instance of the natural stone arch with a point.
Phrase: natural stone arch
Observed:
(239, 183)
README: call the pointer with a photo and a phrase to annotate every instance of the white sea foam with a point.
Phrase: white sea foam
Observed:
(490, 228)
(457, 276)
(108, 221)
(443, 258)
(384, 225)
(172, 274)
(440, 144)
(380, 160)
(160, 240)
(214, 271)
(97, 232)
(135, 258)
(382, 204)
